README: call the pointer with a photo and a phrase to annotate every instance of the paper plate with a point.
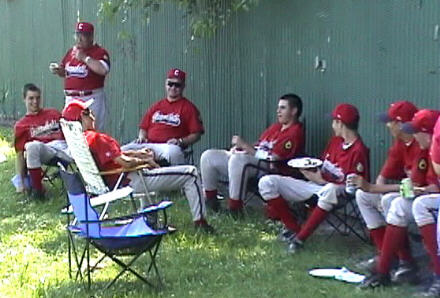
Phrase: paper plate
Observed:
(342, 274)
(305, 162)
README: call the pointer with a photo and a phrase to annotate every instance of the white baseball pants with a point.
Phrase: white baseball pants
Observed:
(221, 165)
(404, 211)
(174, 178)
(374, 207)
(38, 153)
(296, 190)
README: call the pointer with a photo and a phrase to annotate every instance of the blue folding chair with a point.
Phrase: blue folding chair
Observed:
(131, 235)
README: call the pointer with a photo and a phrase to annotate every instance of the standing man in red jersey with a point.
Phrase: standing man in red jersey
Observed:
(171, 124)
(84, 69)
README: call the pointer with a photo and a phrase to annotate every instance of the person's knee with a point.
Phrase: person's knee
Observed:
(396, 213)
(421, 212)
(31, 147)
(267, 184)
(361, 198)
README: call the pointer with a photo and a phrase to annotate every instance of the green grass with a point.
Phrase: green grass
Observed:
(243, 259)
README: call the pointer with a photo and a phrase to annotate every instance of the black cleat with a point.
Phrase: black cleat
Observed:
(375, 280)
(285, 235)
(406, 273)
(294, 245)
(433, 291)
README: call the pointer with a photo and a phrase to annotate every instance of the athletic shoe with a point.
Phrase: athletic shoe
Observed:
(285, 235)
(433, 291)
(37, 195)
(406, 273)
(375, 280)
(294, 245)
(368, 265)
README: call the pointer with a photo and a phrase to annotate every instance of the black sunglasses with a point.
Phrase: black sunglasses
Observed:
(175, 84)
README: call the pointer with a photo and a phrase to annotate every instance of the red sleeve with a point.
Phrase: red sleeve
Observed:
(435, 149)
(21, 136)
(394, 165)
(290, 145)
(103, 55)
(361, 164)
(194, 120)
(105, 148)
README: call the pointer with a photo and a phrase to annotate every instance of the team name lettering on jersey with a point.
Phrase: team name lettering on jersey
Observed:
(168, 119)
(79, 71)
(43, 130)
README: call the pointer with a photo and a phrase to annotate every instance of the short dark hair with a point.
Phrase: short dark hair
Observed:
(294, 102)
(30, 87)
(352, 126)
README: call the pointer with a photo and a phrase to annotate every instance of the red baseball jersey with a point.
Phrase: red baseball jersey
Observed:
(435, 144)
(43, 126)
(401, 159)
(283, 143)
(78, 75)
(166, 120)
(104, 150)
(422, 173)
(342, 159)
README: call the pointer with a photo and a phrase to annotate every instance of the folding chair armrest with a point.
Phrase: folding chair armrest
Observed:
(124, 170)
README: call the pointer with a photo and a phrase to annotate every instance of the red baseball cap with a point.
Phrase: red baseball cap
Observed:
(73, 110)
(402, 111)
(347, 113)
(83, 27)
(175, 73)
(423, 121)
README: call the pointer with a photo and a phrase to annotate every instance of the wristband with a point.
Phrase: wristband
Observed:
(87, 59)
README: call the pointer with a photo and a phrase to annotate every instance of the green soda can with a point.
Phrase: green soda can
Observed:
(407, 189)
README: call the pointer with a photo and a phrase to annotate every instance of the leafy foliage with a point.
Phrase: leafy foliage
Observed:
(205, 16)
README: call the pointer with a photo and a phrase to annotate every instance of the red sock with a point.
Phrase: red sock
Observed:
(211, 194)
(235, 204)
(271, 212)
(429, 233)
(36, 175)
(318, 215)
(376, 236)
(281, 210)
(200, 222)
(404, 252)
(393, 239)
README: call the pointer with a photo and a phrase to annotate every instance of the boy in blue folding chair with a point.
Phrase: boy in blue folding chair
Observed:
(109, 156)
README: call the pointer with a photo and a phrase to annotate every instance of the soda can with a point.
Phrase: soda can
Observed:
(350, 188)
(407, 189)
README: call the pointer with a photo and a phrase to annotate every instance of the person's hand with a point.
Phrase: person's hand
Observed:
(140, 140)
(54, 67)
(173, 141)
(359, 182)
(146, 153)
(313, 175)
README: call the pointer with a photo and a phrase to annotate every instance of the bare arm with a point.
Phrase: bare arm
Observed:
(128, 162)
(142, 136)
(242, 145)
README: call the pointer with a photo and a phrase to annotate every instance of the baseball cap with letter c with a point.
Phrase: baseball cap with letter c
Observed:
(175, 73)
(83, 27)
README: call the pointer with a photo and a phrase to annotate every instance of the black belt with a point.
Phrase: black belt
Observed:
(78, 93)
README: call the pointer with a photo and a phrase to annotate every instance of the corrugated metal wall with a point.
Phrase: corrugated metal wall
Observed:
(375, 52)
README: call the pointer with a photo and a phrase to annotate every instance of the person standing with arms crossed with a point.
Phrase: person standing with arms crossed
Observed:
(84, 68)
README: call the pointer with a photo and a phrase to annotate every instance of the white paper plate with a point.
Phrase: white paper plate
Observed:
(305, 162)
(331, 273)
(342, 274)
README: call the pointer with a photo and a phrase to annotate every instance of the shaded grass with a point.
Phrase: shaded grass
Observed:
(243, 259)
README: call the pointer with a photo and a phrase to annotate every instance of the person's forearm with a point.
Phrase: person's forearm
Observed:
(96, 66)
(383, 188)
(189, 139)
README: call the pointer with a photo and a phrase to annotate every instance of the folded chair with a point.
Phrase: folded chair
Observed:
(93, 179)
(132, 235)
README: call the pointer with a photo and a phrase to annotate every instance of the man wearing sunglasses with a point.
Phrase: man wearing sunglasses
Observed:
(171, 124)
(84, 69)
(109, 156)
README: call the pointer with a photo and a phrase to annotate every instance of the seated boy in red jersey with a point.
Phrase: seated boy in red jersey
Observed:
(345, 154)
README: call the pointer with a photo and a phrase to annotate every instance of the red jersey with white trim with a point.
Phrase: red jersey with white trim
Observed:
(166, 120)
(43, 126)
(435, 144)
(422, 173)
(78, 75)
(400, 159)
(104, 150)
(342, 159)
(285, 143)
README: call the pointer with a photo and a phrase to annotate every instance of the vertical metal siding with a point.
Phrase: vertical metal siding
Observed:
(376, 52)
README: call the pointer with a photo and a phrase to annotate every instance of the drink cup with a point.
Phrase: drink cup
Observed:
(350, 187)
